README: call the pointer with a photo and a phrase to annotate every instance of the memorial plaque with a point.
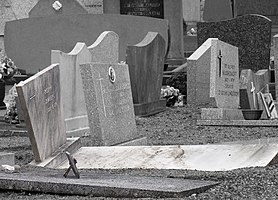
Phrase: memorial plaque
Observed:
(148, 8)
(39, 97)
(109, 104)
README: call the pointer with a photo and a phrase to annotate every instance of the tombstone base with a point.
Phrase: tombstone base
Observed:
(221, 114)
(151, 108)
(7, 159)
(77, 126)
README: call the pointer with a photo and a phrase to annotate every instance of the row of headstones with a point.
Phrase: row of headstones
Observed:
(213, 78)
(72, 96)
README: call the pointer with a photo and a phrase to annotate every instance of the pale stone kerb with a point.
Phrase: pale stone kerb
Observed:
(202, 49)
(147, 39)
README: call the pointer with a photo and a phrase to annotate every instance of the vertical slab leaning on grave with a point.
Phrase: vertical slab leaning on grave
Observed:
(104, 49)
(198, 75)
(250, 33)
(109, 104)
(39, 97)
(146, 62)
(247, 90)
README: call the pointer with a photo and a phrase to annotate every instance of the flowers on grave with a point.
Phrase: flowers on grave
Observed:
(170, 94)
(11, 115)
(7, 68)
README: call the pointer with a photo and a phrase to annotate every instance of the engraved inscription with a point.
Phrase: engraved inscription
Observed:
(229, 73)
(49, 99)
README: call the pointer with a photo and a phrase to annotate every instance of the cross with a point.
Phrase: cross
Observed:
(219, 58)
(72, 163)
(254, 94)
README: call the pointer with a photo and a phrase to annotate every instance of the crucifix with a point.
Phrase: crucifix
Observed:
(219, 60)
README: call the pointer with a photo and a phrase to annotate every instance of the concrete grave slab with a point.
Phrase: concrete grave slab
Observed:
(192, 157)
(146, 63)
(250, 33)
(103, 185)
(109, 104)
(104, 49)
(40, 100)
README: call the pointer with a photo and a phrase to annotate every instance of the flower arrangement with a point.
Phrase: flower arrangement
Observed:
(170, 94)
(7, 68)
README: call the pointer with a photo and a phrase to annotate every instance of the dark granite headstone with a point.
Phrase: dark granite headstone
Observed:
(216, 10)
(268, 8)
(150, 8)
(40, 100)
(109, 104)
(146, 61)
(250, 33)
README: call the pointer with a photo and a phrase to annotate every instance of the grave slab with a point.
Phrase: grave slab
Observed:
(104, 49)
(109, 104)
(221, 113)
(192, 157)
(250, 33)
(103, 185)
(6, 158)
(252, 123)
(40, 100)
(146, 63)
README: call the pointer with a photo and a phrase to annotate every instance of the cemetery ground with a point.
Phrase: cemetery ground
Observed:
(177, 125)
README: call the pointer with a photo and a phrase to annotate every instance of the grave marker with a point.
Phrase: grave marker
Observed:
(109, 104)
(217, 10)
(250, 33)
(146, 62)
(104, 49)
(39, 97)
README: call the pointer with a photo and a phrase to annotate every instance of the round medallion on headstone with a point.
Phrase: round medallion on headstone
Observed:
(111, 74)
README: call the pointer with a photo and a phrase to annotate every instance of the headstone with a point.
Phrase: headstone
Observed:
(93, 6)
(266, 8)
(29, 45)
(53, 7)
(250, 33)
(146, 62)
(170, 10)
(213, 79)
(217, 10)
(275, 50)
(109, 104)
(248, 96)
(39, 97)
(191, 10)
(104, 49)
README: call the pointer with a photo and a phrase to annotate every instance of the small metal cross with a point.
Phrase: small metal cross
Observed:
(72, 163)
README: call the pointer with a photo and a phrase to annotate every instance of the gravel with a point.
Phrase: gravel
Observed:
(177, 125)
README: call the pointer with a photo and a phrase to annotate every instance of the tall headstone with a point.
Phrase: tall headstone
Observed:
(214, 74)
(40, 100)
(109, 104)
(191, 10)
(217, 10)
(29, 45)
(165, 9)
(146, 62)
(250, 33)
(53, 7)
(104, 49)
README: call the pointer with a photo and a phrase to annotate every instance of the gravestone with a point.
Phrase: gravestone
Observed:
(266, 8)
(250, 33)
(51, 7)
(248, 97)
(164, 9)
(104, 49)
(217, 10)
(275, 50)
(191, 10)
(40, 100)
(146, 62)
(29, 45)
(213, 79)
(93, 6)
(109, 104)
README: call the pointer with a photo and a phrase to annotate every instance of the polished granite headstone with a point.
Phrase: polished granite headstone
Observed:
(250, 33)
(104, 49)
(109, 104)
(40, 99)
(217, 10)
(146, 62)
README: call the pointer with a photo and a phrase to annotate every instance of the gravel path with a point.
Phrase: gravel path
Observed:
(175, 126)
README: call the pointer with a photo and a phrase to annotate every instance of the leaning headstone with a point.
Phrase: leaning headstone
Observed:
(213, 79)
(104, 49)
(146, 62)
(217, 10)
(39, 97)
(250, 33)
(109, 104)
